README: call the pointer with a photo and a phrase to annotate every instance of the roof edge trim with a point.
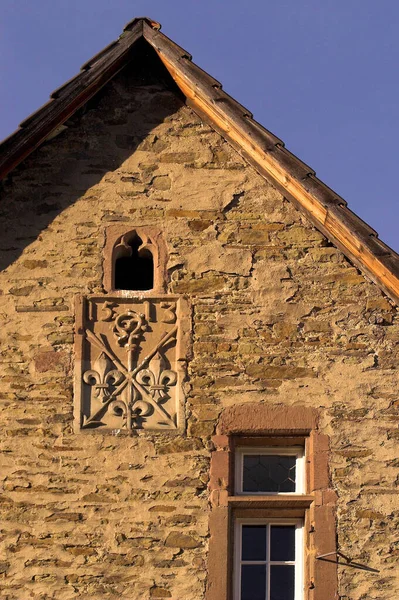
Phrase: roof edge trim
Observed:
(263, 150)
(67, 99)
(325, 209)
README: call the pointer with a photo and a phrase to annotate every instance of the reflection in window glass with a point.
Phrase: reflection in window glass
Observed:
(253, 582)
(267, 561)
(282, 582)
(254, 542)
(282, 542)
(269, 473)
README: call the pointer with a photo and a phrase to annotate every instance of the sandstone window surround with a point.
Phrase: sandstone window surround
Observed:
(134, 260)
(257, 428)
(268, 553)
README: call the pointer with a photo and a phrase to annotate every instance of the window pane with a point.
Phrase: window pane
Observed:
(256, 474)
(254, 542)
(282, 472)
(253, 582)
(282, 542)
(282, 582)
(269, 473)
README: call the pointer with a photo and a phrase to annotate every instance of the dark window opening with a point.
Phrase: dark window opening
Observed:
(135, 271)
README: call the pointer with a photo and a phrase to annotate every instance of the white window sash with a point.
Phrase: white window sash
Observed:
(299, 555)
(297, 451)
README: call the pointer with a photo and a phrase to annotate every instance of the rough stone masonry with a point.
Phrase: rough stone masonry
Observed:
(277, 316)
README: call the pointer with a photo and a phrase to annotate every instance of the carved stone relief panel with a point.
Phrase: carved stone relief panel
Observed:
(131, 355)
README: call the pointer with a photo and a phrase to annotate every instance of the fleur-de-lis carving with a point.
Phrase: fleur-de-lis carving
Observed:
(118, 408)
(156, 378)
(129, 327)
(142, 409)
(103, 377)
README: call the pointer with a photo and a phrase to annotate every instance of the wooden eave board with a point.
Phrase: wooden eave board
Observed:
(67, 99)
(325, 209)
(296, 180)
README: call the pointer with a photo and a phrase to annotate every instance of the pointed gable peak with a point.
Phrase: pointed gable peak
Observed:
(154, 24)
(264, 151)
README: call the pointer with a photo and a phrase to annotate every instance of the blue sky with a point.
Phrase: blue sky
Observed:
(320, 74)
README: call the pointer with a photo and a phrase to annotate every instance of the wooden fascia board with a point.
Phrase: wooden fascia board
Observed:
(326, 219)
(82, 88)
(263, 151)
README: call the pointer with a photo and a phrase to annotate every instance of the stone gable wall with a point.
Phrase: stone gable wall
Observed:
(278, 316)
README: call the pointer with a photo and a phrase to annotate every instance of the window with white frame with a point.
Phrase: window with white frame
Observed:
(267, 471)
(268, 551)
(266, 529)
(268, 559)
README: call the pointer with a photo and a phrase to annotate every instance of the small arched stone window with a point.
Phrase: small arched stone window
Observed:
(134, 260)
(134, 264)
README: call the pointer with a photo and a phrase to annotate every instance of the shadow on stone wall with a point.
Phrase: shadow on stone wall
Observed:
(98, 139)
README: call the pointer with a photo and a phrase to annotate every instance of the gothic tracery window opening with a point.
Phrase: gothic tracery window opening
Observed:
(134, 267)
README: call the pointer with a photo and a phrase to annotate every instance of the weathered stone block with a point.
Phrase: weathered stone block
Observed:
(159, 592)
(263, 371)
(161, 182)
(176, 539)
(51, 361)
(21, 291)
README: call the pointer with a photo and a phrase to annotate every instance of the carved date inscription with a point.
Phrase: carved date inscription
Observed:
(130, 363)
